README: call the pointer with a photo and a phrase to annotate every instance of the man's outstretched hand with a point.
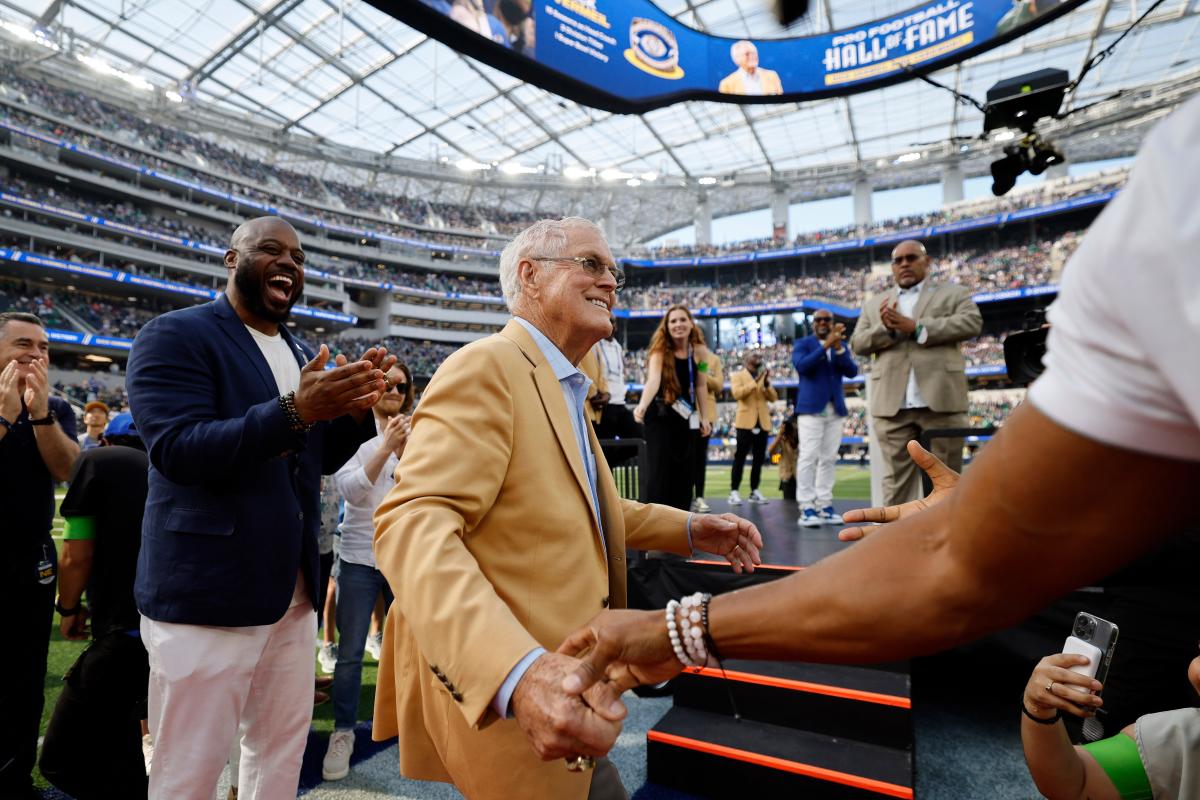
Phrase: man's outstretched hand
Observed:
(944, 480)
(729, 536)
(561, 724)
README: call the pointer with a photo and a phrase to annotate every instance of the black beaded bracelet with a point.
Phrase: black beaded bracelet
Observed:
(1042, 720)
(708, 640)
(288, 403)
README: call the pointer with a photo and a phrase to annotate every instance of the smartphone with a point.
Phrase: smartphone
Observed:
(1096, 639)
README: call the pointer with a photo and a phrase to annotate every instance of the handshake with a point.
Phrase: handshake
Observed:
(568, 702)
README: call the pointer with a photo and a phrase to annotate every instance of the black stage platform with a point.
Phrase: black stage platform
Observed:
(785, 543)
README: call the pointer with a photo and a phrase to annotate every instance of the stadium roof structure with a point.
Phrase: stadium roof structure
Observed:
(338, 87)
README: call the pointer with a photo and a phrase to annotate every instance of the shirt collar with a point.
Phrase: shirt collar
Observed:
(914, 289)
(562, 367)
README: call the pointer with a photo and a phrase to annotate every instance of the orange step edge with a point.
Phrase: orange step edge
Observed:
(803, 686)
(714, 562)
(783, 764)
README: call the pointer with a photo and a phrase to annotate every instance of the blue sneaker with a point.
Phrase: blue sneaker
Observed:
(810, 519)
(830, 517)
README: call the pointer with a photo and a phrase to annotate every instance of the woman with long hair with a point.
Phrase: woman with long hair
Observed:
(672, 405)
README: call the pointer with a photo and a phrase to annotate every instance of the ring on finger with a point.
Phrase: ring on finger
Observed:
(580, 763)
(1050, 687)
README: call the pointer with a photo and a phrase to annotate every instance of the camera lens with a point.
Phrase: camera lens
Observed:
(1085, 627)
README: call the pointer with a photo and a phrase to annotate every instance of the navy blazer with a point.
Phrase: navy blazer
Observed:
(233, 505)
(821, 376)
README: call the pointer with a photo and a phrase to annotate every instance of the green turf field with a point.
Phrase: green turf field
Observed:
(851, 482)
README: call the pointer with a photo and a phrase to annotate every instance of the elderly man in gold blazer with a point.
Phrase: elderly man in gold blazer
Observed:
(505, 532)
(918, 377)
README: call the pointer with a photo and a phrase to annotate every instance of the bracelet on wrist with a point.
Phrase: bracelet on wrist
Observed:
(68, 612)
(1041, 720)
(288, 403)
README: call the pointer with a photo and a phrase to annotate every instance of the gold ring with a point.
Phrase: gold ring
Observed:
(1050, 687)
(580, 763)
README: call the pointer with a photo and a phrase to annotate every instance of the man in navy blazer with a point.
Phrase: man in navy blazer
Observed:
(821, 361)
(240, 420)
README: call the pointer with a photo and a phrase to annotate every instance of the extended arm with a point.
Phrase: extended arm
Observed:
(653, 381)
(981, 563)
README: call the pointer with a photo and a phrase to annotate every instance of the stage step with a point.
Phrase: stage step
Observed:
(867, 704)
(713, 755)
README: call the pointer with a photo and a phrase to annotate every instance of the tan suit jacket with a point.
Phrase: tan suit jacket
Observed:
(735, 84)
(491, 544)
(950, 315)
(590, 366)
(714, 379)
(752, 399)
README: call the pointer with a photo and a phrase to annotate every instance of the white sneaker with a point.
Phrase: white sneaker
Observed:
(375, 645)
(337, 758)
(830, 517)
(701, 506)
(327, 657)
(147, 751)
(757, 497)
(810, 519)
(735, 499)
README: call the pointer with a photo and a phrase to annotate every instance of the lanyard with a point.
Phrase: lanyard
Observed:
(691, 376)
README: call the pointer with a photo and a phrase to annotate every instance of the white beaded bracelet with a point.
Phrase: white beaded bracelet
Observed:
(674, 635)
(691, 630)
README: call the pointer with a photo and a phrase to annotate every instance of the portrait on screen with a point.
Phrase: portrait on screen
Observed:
(749, 78)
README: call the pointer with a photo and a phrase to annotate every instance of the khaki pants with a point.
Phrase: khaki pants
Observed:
(901, 477)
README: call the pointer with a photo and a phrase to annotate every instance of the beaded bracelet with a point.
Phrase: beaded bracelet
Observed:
(673, 634)
(693, 634)
(288, 403)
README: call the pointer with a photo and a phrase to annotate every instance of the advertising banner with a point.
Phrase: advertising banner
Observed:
(629, 56)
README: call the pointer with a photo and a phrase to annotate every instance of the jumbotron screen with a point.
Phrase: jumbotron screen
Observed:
(629, 56)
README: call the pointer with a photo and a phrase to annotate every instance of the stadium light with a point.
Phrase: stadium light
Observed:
(614, 174)
(471, 165)
(1004, 136)
(574, 172)
(649, 176)
(634, 182)
(907, 158)
(707, 180)
(516, 168)
(173, 96)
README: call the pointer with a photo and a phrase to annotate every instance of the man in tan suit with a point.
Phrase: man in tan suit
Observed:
(751, 387)
(918, 380)
(505, 532)
(749, 78)
(714, 381)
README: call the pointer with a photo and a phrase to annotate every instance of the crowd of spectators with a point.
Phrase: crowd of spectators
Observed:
(989, 270)
(1051, 191)
(111, 392)
(127, 212)
(256, 178)
(422, 358)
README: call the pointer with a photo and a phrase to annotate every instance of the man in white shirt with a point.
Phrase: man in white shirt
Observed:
(616, 420)
(363, 481)
(918, 377)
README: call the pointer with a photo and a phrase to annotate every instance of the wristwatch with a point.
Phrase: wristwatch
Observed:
(46, 420)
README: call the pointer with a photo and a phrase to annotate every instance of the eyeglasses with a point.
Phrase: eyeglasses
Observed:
(591, 266)
(907, 258)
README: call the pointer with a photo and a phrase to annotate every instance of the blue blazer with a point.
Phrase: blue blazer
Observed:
(821, 376)
(233, 505)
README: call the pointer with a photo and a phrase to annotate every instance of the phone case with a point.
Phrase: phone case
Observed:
(1077, 646)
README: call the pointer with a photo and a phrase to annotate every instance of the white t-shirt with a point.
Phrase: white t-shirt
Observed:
(280, 359)
(286, 370)
(1123, 360)
(612, 361)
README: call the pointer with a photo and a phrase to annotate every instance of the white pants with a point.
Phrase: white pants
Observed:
(206, 681)
(820, 437)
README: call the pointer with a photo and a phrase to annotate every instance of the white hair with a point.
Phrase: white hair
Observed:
(739, 46)
(544, 238)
